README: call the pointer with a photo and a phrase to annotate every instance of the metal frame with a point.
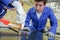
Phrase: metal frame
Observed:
(53, 0)
(23, 33)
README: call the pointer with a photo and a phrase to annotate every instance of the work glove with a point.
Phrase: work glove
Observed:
(26, 29)
(50, 34)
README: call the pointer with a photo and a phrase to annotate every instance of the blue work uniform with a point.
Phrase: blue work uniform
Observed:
(39, 24)
(4, 3)
(2, 10)
(7, 3)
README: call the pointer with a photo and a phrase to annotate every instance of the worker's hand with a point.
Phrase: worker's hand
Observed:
(26, 29)
(5, 8)
(50, 34)
(12, 9)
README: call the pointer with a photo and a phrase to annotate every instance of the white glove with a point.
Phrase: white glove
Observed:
(50, 34)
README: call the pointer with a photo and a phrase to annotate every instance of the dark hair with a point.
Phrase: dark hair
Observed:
(45, 1)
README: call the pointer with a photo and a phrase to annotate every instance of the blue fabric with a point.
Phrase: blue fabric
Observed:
(1, 16)
(51, 38)
(4, 3)
(35, 35)
(1, 9)
(8, 3)
(40, 23)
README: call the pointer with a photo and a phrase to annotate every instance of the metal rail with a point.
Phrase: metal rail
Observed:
(22, 33)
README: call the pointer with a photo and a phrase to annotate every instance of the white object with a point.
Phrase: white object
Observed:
(38, 14)
(21, 16)
(50, 34)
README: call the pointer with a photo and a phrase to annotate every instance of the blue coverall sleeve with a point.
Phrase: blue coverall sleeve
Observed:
(6, 2)
(53, 21)
(1, 16)
(27, 21)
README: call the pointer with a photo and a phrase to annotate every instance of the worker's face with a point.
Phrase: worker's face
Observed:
(39, 6)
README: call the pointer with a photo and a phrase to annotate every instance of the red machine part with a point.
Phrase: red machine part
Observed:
(4, 21)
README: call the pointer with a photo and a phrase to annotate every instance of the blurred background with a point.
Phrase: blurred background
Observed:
(27, 4)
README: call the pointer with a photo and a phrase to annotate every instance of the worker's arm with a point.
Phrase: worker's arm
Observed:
(53, 21)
